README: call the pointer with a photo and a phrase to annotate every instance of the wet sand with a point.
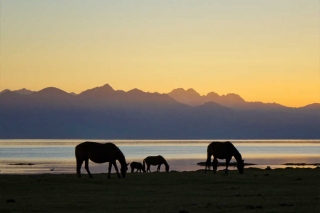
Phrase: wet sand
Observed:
(69, 167)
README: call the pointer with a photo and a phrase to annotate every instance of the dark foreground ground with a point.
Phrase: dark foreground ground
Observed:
(272, 191)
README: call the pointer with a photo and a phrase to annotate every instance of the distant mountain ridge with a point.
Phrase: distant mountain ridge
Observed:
(22, 91)
(189, 97)
(105, 113)
(232, 100)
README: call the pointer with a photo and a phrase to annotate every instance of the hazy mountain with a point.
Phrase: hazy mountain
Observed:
(106, 96)
(310, 109)
(189, 97)
(51, 92)
(5, 90)
(98, 92)
(234, 101)
(23, 91)
(193, 98)
(105, 113)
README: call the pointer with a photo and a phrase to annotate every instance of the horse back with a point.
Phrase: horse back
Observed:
(136, 165)
(154, 160)
(221, 150)
(97, 152)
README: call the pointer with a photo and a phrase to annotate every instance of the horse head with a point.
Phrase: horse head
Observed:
(124, 169)
(167, 168)
(240, 166)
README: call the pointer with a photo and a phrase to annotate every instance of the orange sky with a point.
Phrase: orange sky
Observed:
(262, 50)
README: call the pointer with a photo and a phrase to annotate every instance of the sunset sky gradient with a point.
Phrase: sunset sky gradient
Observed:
(266, 50)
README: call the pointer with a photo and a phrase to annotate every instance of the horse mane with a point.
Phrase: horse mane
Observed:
(165, 163)
(236, 153)
(120, 157)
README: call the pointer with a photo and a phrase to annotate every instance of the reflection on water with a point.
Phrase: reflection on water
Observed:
(57, 156)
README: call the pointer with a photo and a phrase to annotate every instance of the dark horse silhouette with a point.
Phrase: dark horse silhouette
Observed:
(155, 160)
(138, 166)
(223, 150)
(100, 153)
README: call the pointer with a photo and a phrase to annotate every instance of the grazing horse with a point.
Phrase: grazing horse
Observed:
(138, 166)
(155, 160)
(223, 150)
(100, 153)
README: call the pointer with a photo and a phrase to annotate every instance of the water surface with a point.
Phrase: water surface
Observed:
(182, 155)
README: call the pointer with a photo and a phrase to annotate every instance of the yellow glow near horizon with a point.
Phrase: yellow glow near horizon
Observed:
(264, 51)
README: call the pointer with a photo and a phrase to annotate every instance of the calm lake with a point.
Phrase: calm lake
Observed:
(57, 155)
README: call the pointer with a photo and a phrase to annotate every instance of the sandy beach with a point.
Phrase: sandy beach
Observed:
(257, 190)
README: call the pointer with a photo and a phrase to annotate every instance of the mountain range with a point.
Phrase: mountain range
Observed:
(105, 113)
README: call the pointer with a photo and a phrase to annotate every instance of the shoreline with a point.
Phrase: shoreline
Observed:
(33, 169)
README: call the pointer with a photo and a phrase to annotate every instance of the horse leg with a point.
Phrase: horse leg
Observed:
(86, 166)
(148, 167)
(215, 164)
(116, 168)
(227, 164)
(158, 169)
(79, 164)
(109, 169)
(207, 163)
(132, 170)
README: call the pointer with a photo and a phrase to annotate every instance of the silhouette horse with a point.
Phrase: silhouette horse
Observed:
(100, 153)
(223, 150)
(138, 166)
(155, 160)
